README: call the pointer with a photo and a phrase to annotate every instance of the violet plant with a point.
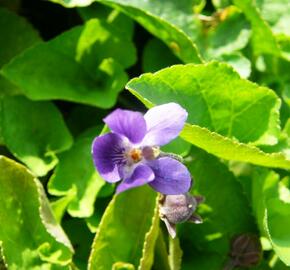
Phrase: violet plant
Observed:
(132, 150)
(154, 192)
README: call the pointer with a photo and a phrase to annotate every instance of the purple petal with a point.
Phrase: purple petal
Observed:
(171, 176)
(128, 123)
(142, 175)
(107, 153)
(164, 123)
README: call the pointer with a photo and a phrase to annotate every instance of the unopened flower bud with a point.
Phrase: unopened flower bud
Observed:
(246, 251)
(180, 208)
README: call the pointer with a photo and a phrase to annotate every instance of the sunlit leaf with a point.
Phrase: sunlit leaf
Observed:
(30, 236)
(216, 98)
(34, 132)
(221, 208)
(123, 229)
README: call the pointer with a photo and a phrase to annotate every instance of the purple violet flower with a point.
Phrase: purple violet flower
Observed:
(131, 151)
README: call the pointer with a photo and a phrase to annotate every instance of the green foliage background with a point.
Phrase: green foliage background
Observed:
(65, 65)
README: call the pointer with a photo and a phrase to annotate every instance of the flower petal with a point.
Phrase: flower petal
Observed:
(128, 123)
(142, 175)
(164, 123)
(107, 153)
(171, 176)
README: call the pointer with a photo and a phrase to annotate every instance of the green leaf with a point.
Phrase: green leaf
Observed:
(163, 87)
(224, 204)
(204, 260)
(216, 98)
(271, 202)
(277, 14)
(92, 60)
(16, 34)
(229, 149)
(263, 39)
(219, 4)
(175, 254)
(171, 21)
(30, 236)
(123, 266)
(161, 254)
(123, 230)
(34, 132)
(240, 63)
(73, 3)
(81, 239)
(120, 21)
(156, 55)
(59, 206)
(76, 171)
(231, 34)
(151, 236)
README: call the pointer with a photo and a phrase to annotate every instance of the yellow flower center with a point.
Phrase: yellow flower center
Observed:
(135, 155)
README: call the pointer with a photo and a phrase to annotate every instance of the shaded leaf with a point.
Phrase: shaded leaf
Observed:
(76, 171)
(35, 241)
(161, 253)
(170, 21)
(34, 132)
(224, 204)
(92, 57)
(16, 34)
(157, 56)
(119, 20)
(60, 206)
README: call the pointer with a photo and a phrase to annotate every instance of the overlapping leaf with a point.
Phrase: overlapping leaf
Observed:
(170, 21)
(218, 99)
(16, 34)
(92, 60)
(263, 39)
(271, 202)
(76, 171)
(29, 235)
(34, 132)
(277, 14)
(115, 18)
(231, 34)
